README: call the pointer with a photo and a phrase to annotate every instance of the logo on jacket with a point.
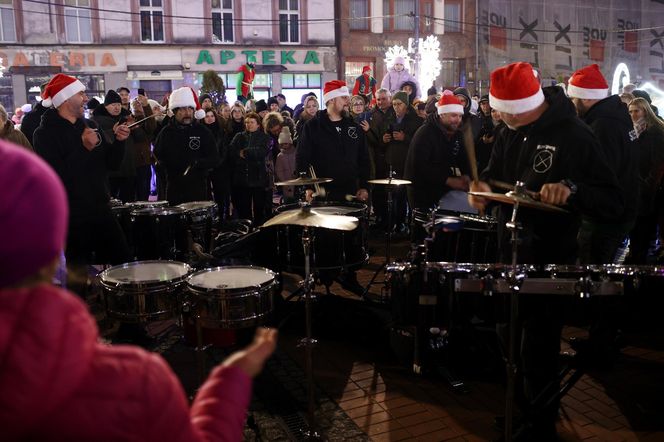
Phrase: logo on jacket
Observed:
(352, 132)
(543, 158)
(194, 143)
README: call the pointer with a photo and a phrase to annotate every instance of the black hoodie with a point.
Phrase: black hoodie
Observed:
(31, 121)
(611, 124)
(83, 172)
(336, 150)
(557, 146)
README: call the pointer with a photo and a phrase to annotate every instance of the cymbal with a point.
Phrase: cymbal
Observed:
(525, 201)
(303, 181)
(390, 182)
(311, 218)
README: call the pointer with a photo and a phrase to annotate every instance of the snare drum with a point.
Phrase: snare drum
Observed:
(332, 249)
(476, 242)
(143, 291)
(202, 216)
(159, 233)
(232, 297)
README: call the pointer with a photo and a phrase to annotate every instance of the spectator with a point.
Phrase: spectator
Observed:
(7, 131)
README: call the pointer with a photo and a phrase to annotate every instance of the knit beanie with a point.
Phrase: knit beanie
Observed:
(33, 214)
(401, 96)
(112, 97)
(285, 136)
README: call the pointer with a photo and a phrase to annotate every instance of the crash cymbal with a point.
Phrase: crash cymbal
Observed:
(311, 218)
(390, 182)
(511, 198)
(306, 181)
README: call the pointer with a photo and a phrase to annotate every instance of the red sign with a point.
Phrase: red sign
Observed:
(631, 41)
(596, 51)
(498, 37)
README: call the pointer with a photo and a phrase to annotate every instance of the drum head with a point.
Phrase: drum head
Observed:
(196, 205)
(231, 278)
(145, 273)
(157, 211)
(146, 204)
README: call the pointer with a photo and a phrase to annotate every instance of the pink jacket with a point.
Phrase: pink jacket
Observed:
(57, 382)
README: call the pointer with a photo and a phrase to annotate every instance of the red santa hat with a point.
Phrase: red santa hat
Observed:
(334, 89)
(449, 103)
(186, 97)
(515, 89)
(365, 69)
(60, 89)
(589, 83)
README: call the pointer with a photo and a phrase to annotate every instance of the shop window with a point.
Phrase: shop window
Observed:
(289, 21)
(353, 70)
(359, 13)
(7, 28)
(78, 22)
(222, 21)
(453, 17)
(293, 86)
(262, 85)
(397, 15)
(7, 93)
(152, 20)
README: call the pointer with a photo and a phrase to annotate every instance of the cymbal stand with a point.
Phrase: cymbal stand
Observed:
(515, 278)
(309, 342)
(388, 243)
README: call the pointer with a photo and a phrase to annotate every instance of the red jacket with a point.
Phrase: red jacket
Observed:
(57, 382)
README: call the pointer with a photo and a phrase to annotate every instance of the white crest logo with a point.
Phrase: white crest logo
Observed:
(194, 143)
(543, 161)
(352, 132)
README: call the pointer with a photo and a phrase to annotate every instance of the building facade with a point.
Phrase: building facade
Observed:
(368, 28)
(160, 45)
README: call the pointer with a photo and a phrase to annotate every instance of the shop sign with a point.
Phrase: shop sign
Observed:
(268, 56)
(68, 60)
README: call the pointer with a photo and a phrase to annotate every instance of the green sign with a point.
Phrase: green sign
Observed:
(262, 57)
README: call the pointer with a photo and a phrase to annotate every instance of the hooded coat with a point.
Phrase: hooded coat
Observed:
(31, 121)
(393, 80)
(59, 382)
(557, 146)
(106, 122)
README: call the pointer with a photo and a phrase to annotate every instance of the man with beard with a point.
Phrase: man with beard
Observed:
(186, 149)
(82, 158)
(124, 97)
(437, 161)
(335, 146)
(599, 239)
(555, 154)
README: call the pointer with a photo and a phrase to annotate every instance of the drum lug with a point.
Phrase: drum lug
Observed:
(488, 285)
(584, 287)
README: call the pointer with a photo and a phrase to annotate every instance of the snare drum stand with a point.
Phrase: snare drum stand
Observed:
(514, 278)
(388, 245)
(309, 342)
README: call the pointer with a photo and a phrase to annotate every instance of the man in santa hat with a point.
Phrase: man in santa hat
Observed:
(555, 154)
(82, 157)
(186, 149)
(437, 161)
(335, 146)
(599, 239)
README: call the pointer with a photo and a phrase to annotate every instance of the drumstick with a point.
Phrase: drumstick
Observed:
(319, 191)
(140, 121)
(470, 150)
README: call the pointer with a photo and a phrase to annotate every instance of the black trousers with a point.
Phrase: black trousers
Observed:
(143, 178)
(96, 238)
(249, 203)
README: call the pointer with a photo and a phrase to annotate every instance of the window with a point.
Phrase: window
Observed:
(398, 9)
(289, 21)
(7, 30)
(152, 20)
(359, 11)
(222, 21)
(453, 16)
(262, 85)
(78, 22)
(293, 86)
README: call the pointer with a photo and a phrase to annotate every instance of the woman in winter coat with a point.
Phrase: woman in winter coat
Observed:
(58, 381)
(309, 110)
(648, 134)
(398, 75)
(219, 176)
(7, 131)
(246, 155)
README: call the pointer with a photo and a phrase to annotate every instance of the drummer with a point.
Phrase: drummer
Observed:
(87, 381)
(335, 146)
(549, 149)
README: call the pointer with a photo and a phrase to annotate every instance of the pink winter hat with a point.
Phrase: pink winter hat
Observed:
(33, 214)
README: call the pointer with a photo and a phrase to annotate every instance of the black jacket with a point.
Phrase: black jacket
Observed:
(557, 146)
(611, 124)
(106, 121)
(338, 154)
(83, 172)
(432, 158)
(31, 122)
(650, 148)
(397, 151)
(251, 170)
(186, 153)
